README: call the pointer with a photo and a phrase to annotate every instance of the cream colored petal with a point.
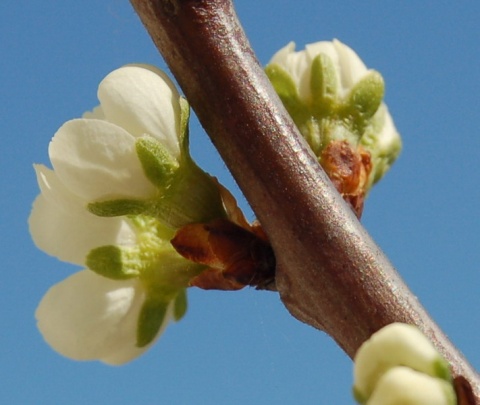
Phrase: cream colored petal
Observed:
(388, 137)
(352, 69)
(60, 225)
(142, 100)
(89, 317)
(281, 56)
(96, 113)
(97, 160)
(324, 47)
(128, 353)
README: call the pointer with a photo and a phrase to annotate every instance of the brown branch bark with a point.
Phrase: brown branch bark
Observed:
(330, 274)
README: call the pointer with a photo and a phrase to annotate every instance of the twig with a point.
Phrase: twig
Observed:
(330, 274)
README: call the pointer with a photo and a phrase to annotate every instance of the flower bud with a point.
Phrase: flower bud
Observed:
(333, 97)
(395, 345)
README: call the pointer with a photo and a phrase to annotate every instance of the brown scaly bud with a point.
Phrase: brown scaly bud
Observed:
(235, 253)
(349, 171)
(235, 256)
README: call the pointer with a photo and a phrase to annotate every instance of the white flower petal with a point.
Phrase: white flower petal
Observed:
(96, 113)
(61, 226)
(54, 191)
(388, 137)
(89, 317)
(97, 160)
(322, 47)
(129, 353)
(297, 64)
(352, 69)
(280, 57)
(142, 100)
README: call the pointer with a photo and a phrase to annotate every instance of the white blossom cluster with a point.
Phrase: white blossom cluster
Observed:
(122, 182)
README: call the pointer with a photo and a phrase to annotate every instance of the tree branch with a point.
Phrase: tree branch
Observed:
(330, 274)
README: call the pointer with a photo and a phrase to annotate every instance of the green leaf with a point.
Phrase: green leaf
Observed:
(158, 164)
(151, 318)
(115, 208)
(180, 307)
(111, 262)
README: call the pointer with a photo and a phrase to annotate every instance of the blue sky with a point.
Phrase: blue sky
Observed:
(244, 347)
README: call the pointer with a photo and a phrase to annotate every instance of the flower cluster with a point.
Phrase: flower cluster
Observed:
(126, 201)
(122, 183)
(399, 366)
(336, 103)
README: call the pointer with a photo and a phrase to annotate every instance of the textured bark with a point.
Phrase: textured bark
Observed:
(330, 274)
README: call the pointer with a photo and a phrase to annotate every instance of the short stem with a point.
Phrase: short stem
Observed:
(329, 273)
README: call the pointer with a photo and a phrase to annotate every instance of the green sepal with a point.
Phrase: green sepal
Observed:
(184, 117)
(365, 98)
(158, 164)
(281, 81)
(442, 369)
(111, 262)
(115, 208)
(150, 320)
(193, 196)
(286, 89)
(180, 305)
(323, 82)
(359, 397)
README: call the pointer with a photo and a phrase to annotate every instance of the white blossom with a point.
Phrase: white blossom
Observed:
(95, 159)
(90, 316)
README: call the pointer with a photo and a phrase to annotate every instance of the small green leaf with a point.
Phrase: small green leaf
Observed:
(115, 208)
(158, 164)
(151, 318)
(111, 262)
(180, 307)
(323, 81)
